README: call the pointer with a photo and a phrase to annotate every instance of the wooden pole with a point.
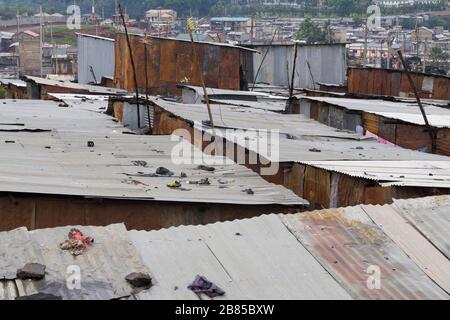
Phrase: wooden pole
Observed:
(431, 131)
(133, 66)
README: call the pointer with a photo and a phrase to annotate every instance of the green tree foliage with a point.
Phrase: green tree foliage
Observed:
(439, 58)
(137, 8)
(311, 33)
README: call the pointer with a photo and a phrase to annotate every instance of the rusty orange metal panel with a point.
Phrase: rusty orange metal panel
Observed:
(170, 61)
(441, 89)
(387, 130)
(168, 55)
(211, 65)
(317, 187)
(229, 76)
(443, 142)
(184, 62)
(350, 190)
(352, 248)
(412, 137)
(371, 122)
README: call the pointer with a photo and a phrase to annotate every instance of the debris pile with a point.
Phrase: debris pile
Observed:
(77, 243)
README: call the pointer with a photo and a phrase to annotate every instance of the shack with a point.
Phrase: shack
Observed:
(170, 62)
(328, 167)
(400, 123)
(71, 164)
(40, 88)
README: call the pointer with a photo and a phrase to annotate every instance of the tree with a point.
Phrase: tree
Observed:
(311, 33)
(439, 58)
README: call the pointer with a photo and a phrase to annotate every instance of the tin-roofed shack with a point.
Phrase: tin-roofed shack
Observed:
(42, 88)
(400, 123)
(328, 167)
(171, 62)
(69, 163)
(395, 83)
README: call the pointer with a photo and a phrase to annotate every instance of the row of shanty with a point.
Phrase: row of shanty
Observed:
(398, 251)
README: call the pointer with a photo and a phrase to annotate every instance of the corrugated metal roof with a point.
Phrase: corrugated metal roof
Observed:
(347, 243)
(431, 217)
(417, 247)
(249, 259)
(93, 36)
(407, 112)
(275, 105)
(312, 255)
(340, 151)
(59, 161)
(15, 82)
(76, 86)
(103, 267)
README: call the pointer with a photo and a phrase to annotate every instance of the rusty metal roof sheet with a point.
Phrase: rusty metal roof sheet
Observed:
(249, 259)
(348, 244)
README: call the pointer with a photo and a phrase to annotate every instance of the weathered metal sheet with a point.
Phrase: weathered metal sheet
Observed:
(249, 259)
(352, 248)
(171, 61)
(323, 147)
(431, 216)
(63, 164)
(95, 52)
(395, 83)
(16, 250)
(415, 245)
(328, 65)
(103, 267)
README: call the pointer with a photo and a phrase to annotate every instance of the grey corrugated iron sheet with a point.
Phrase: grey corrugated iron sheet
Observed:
(340, 151)
(328, 64)
(96, 53)
(59, 161)
(348, 244)
(313, 255)
(431, 216)
(407, 112)
(435, 264)
(103, 267)
(15, 82)
(249, 259)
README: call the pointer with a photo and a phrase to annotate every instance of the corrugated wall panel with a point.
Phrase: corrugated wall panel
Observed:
(327, 62)
(170, 62)
(395, 83)
(99, 54)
